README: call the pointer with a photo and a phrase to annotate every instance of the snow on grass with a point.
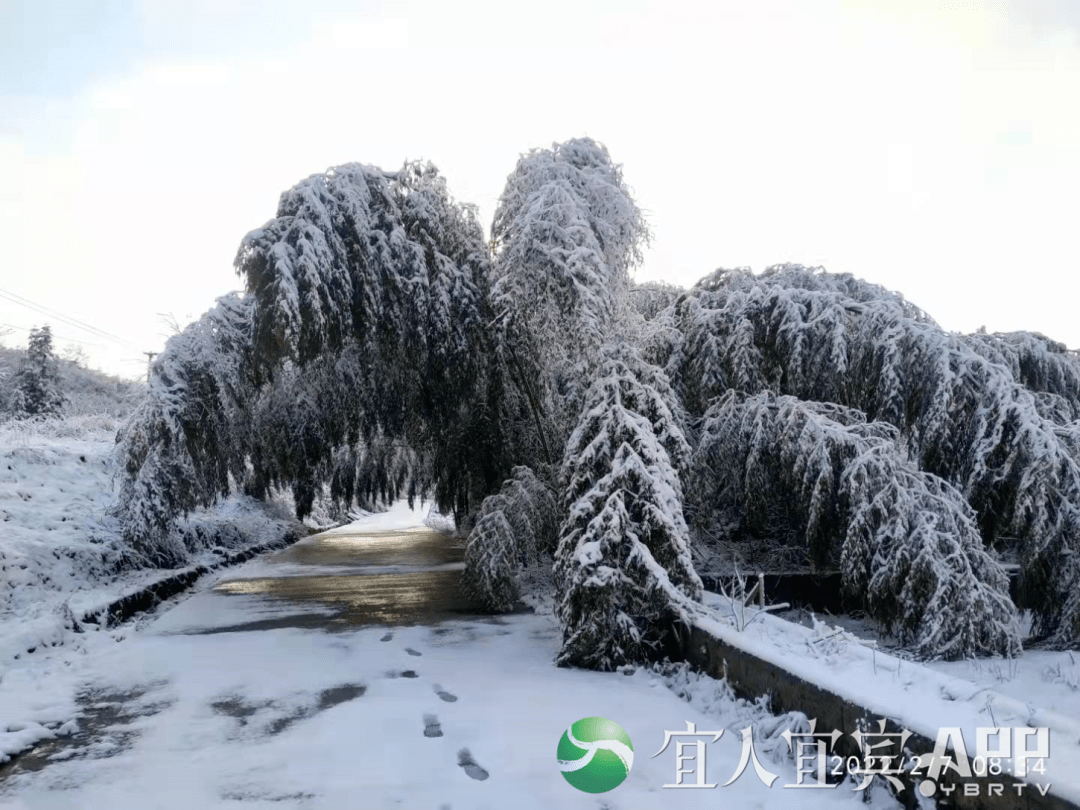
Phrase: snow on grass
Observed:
(1049, 680)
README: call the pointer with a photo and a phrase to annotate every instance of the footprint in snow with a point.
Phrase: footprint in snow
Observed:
(444, 695)
(387, 637)
(432, 728)
(411, 651)
(465, 760)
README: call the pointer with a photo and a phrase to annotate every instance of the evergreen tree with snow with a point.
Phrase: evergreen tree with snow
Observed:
(38, 389)
(623, 571)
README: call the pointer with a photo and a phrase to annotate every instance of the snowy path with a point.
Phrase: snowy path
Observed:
(273, 690)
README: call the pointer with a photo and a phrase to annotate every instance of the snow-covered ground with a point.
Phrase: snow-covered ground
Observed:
(1049, 680)
(60, 552)
(462, 714)
(1038, 690)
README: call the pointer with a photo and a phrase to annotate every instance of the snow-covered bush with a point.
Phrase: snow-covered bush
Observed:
(516, 527)
(905, 541)
(623, 573)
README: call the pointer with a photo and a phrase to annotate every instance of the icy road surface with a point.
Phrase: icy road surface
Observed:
(348, 672)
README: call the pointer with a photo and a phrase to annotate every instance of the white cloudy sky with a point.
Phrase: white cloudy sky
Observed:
(930, 146)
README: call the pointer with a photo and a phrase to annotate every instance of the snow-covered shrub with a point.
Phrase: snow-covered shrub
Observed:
(516, 527)
(623, 573)
(906, 541)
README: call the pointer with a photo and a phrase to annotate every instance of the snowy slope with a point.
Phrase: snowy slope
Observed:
(60, 553)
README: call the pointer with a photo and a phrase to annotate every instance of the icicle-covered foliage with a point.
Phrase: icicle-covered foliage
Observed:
(516, 528)
(960, 412)
(623, 572)
(905, 541)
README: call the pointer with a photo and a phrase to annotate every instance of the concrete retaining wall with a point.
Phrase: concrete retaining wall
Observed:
(150, 596)
(751, 677)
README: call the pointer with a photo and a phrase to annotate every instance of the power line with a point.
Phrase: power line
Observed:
(70, 321)
(74, 321)
(58, 337)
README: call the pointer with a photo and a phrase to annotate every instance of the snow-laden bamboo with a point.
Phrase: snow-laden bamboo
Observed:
(960, 415)
(516, 527)
(905, 541)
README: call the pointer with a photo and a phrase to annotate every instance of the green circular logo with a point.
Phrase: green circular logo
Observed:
(595, 755)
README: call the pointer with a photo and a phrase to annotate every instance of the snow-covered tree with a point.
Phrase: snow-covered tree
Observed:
(906, 541)
(568, 232)
(960, 415)
(187, 437)
(623, 572)
(38, 390)
(384, 348)
(362, 327)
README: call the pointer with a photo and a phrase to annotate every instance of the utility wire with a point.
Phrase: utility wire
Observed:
(43, 310)
(58, 337)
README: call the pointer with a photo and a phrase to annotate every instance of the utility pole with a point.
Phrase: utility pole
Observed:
(149, 363)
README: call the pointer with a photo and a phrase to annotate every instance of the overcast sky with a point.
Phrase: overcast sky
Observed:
(931, 147)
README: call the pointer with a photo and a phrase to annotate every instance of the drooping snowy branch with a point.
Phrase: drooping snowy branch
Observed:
(363, 322)
(516, 527)
(186, 438)
(906, 541)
